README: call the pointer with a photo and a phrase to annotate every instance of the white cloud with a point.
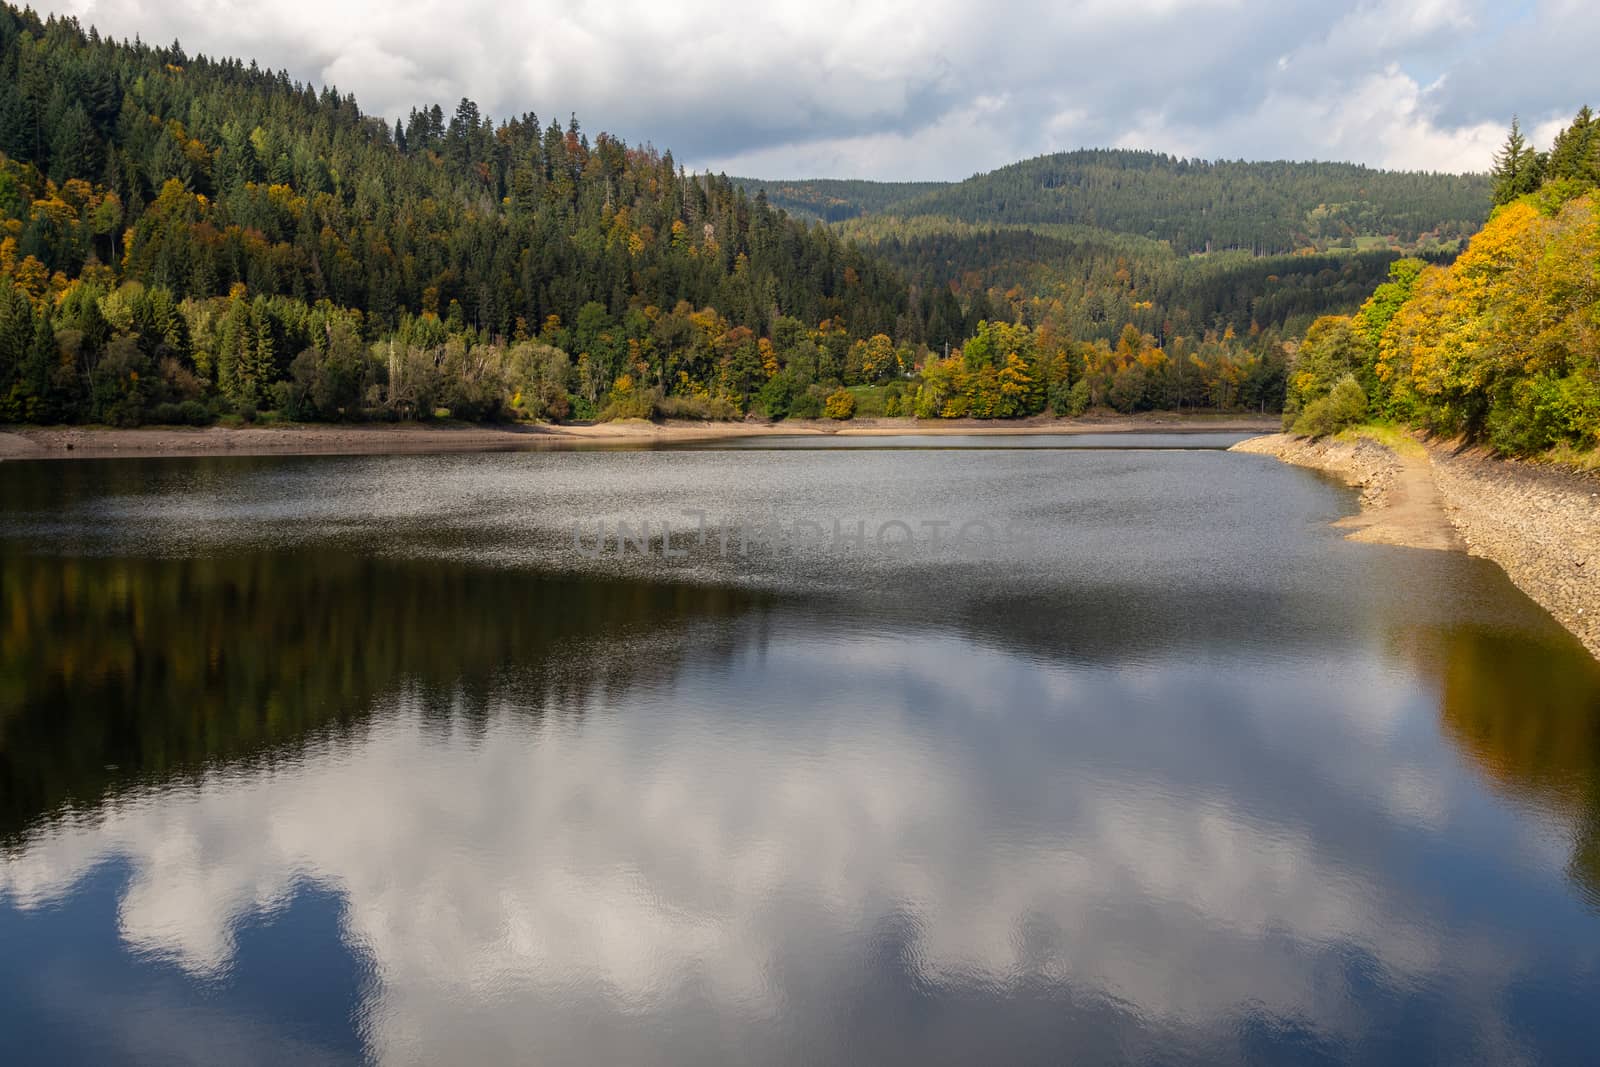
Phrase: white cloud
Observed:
(904, 89)
(963, 134)
(1382, 119)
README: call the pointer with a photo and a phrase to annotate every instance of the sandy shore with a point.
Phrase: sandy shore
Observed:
(1540, 524)
(1400, 504)
(17, 443)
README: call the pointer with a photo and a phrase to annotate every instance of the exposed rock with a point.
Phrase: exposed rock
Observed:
(1540, 524)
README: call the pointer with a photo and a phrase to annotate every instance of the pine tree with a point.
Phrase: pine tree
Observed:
(1572, 155)
(16, 334)
(74, 151)
(282, 170)
(1511, 165)
(263, 362)
(462, 132)
(38, 371)
(18, 124)
(232, 373)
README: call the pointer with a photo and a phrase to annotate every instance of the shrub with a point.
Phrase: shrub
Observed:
(629, 404)
(840, 405)
(808, 405)
(194, 413)
(704, 409)
(1345, 405)
(1076, 401)
(284, 398)
(679, 407)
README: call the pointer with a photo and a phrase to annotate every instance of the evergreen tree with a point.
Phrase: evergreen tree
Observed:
(1511, 165)
(74, 150)
(16, 335)
(1573, 154)
(233, 372)
(38, 372)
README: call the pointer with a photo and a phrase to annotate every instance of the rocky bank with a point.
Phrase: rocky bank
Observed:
(1540, 524)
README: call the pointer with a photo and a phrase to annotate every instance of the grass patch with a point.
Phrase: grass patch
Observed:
(1387, 434)
(1564, 455)
(872, 400)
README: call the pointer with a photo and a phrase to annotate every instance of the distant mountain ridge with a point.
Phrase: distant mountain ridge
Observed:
(1193, 205)
(837, 199)
(1101, 238)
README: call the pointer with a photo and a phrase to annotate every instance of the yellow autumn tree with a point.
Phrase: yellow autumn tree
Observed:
(1505, 342)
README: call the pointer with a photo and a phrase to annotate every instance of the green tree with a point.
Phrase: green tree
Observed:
(1572, 156)
(1343, 406)
(1333, 349)
(74, 148)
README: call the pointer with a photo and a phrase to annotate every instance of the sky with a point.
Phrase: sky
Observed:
(937, 89)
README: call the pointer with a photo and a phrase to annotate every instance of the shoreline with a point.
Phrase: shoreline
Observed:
(328, 439)
(1541, 525)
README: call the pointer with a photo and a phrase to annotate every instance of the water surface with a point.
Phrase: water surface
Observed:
(1174, 439)
(407, 759)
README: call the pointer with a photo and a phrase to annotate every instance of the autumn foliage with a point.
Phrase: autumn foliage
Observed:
(1502, 345)
(1505, 343)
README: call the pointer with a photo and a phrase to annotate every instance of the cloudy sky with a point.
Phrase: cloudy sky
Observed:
(901, 89)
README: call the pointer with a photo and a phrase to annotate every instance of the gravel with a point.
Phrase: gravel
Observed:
(1540, 524)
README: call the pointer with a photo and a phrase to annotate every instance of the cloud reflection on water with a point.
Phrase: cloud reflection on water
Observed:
(673, 859)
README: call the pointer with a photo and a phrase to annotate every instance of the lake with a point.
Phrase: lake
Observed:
(928, 750)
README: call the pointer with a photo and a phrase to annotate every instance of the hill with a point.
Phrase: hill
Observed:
(1104, 238)
(1204, 206)
(180, 229)
(1191, 205)
(836, 199)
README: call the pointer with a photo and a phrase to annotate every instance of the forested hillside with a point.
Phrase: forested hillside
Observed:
(836, 199)
(1202, 206)
(188, 232)
(185, 238)
(1101, 239)
(1503, 344)
(1100, 282)
(1192, 205)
